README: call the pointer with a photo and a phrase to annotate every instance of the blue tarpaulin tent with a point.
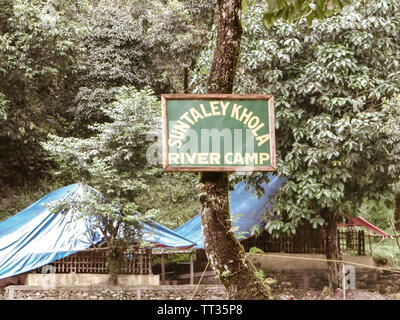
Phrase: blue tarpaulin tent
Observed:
(247, 210)
(35, 237)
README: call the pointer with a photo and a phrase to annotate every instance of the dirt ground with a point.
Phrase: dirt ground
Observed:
(350, 295)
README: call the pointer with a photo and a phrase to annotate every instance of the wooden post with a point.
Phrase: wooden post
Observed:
(344, 281)
(140, 262)
(370, 244)
(363, 242)
(150, 255)
(395, 233)
(191, 268)
(162, 268)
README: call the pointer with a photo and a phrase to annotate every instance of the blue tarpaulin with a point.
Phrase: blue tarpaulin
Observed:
(35, 237)
(161, 236)
(247, 211)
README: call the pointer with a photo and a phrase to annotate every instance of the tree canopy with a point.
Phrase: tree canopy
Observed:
(329, 80)
(80, 101)
(293, 11)
(38, 66)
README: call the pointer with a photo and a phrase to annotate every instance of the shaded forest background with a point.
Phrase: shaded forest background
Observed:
(73, 75)
(61, 64)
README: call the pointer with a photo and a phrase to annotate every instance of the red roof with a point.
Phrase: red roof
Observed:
(359, 221)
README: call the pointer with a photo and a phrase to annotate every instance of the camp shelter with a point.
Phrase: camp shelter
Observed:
(357, 230)
(35, 237)
(247, 211)
(362, 222)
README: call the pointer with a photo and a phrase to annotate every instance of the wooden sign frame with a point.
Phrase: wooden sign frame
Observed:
(267, 97)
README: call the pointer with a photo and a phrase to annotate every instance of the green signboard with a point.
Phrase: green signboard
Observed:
(218, 132)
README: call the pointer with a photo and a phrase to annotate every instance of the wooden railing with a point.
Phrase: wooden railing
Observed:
(352, 242)
(308, 241)
(137, 261)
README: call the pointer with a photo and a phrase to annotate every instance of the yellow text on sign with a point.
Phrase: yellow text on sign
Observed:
(204, 158)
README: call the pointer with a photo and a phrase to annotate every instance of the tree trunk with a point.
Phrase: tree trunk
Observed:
(113, 269)
(397, 211)
(226, 54)
(332, 251)
(225, 253)
(114, 256)
(185, 80)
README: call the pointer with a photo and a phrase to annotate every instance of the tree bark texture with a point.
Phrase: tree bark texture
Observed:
(226, 54)
(332, 251)
(185, 80)
(225, 253)
(397, 211)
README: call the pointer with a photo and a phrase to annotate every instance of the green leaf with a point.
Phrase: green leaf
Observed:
(276, 5)
(309, 18)
(255, 250)
(269, 19)
(245, 6)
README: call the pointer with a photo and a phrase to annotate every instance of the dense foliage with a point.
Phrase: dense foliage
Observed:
(115, 163)
(292, 11)
(139, 43)
(38, 66)
(329, 80)
(79, 101)
(61, 63)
